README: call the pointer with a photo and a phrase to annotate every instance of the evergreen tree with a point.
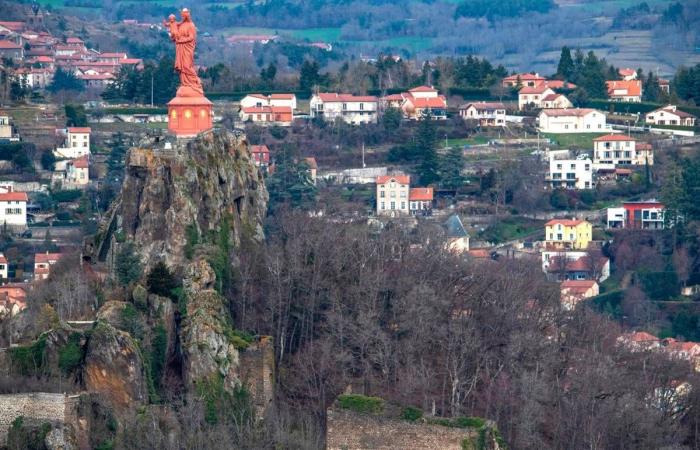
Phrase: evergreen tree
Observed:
(75, 115)
(161, 281)
(391, 119)
(565, 69)
(65, 81)
(592, 77)
(429, 167)
(290, 182)
(309, 75)
(267, 75)
(127, 265)
(452, 166)
(650, 88)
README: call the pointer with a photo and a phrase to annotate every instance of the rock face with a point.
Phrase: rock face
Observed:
(176, 189)
(206, 345)
(114, 367)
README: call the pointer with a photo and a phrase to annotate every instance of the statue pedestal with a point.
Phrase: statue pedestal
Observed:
(189, 116)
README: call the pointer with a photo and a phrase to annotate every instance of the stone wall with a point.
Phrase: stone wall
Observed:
(348, 430)
(36, 406)
(257, 369)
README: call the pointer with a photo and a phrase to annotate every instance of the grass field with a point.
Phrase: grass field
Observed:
(511, 228)
(580, 140)
(476, 140)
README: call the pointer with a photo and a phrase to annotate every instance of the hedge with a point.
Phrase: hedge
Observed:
(134, 110)
(634, 107)
(361, 403)
(659, 285)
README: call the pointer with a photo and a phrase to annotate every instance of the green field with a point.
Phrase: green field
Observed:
(476, 140)
(580, 140)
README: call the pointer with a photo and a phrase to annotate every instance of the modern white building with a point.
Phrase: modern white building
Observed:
(488, 114)
(571, 173)
(13, 209)
(77, 143)
(531, 97)
(670, 115)
(574, 120)
(277, 100)
(352, 109)
(618, 149)
(392, 195)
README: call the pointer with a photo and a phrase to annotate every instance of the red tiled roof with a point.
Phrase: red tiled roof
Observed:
(79, 130)
(563, 112)
(632, 87)
(539, 89)
(627, 72)
(259, 149)
(578, 283)
(480, 253)
(8, 45)
(614, 137)
(349, 98)
(565, 222)
(3, 260)
(43, 258)
(393, 97)
(524, 77)
(14, 197)
(642, 336)
(127, 61)
(74, 40)
(264, 97)
(282, 96)
(551, 97)
(431, 102)
(267, 109)
(558, 84)
(582, 264)
(423, 89)
(81, 163)
(422, 194)
(401, 179)
(677, 112)
(12, 26)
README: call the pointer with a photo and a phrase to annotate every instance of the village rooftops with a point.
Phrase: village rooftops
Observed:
(633, 88)
(484, 106)
(431, 102)
(12, 26)
(44, 258)
(525, 77)
(423, 89)
(8, 45)
(539, 89)
(401, 179)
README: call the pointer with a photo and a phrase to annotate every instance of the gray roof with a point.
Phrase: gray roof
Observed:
(454, 227)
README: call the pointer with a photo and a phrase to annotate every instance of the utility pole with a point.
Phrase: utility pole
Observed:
(363, 155)
(151, 89)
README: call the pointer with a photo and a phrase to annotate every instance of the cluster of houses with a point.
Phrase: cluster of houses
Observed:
(641, 341)
(72, 168)
(13, 295)
(37, 55)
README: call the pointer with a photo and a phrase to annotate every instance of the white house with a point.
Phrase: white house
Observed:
(574, 120)
(13, 209)
(619, 149)
(670, 115)
(616, 218)
(554, 101)
(628, 74)
(43, 263)
(571, 173)
(488, 114)
(77, 143)
(352, 109)
(420, 200)
(260, 100)
(6, 131)
(531, 97)
(392, 195)
(3, 267)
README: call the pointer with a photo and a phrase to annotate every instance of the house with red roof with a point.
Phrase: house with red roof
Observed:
(488, 114)
(573, 234)
(523, 80)
(670, 115)
(420, 201)
(418, 102)
(393, 194)
(352, 109)
(260, 100)
(43, 263)
(624, 90)
(13, 209)
(76, 143)
(612, 150)
(639, 341)
(575, 291)
(572, 120)
(627, 74)
(11, 50)
(261, 155)
(268, 115)
(588, 267)
(531, 96)
(553, 101)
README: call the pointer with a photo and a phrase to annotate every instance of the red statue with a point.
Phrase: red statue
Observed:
(190, 112)
(184, 34)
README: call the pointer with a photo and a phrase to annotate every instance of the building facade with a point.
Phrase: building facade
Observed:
(568, 234)
(618, 149)
(392, 195)
(670, 115)
(574, 120)
(488, 114)
(352, 109)
(570, 174)
(13, 209)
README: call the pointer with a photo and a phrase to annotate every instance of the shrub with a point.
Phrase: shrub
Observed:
(191, 240)
(70, 355)
(361, 403)
(161, 280)
(411, 413)
(30, 359)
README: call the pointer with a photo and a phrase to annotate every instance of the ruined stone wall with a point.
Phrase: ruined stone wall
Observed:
(257, 369)
(37, 406)
(348, 430)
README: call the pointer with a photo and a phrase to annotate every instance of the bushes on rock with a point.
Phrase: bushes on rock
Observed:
(70, 355)
(411, 414)
(30, 359)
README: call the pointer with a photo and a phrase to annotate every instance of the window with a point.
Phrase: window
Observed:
(403, 205)
(559, 237)
(573, 166)
(345, 106)
(559, 166)
(382, 194)
(393, 205)
(381, 205)
(587, 167)
(362, 106)
(402, 194)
